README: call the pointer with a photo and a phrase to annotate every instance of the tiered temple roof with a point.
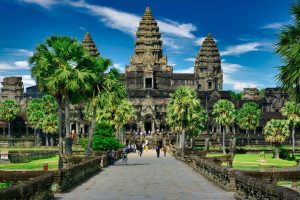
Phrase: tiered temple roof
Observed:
(208, 56)
(148, 38)
(89, 44)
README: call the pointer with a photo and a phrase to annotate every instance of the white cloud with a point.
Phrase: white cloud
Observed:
(239, 49)
(190, 59)
(187, 70)
(82, 28)
(275, 25)
(127, 22)
(43, 3)
(4, 66)
(199, 41)
(119, 66)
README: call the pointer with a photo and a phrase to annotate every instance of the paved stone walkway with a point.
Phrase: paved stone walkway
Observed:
(147, 177)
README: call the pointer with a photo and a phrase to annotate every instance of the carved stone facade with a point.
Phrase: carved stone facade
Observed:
(208, 72)
(12, 89)
(251, 94)
(149, 79)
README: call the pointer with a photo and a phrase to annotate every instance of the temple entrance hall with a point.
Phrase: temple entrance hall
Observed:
(147, 177)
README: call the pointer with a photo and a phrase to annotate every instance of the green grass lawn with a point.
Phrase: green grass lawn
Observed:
(251, 161)
(29, 148)
(33, 165)
(4, 184)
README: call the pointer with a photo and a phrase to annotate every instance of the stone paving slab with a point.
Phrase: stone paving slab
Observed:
(147, 177)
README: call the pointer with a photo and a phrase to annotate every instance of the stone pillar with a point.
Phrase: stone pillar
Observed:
(153, 128)
(26, 130)
(77, 129)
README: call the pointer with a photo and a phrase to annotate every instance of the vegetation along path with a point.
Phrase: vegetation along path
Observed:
(147, 177)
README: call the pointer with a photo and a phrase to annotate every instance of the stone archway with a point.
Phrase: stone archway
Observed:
(148, 124)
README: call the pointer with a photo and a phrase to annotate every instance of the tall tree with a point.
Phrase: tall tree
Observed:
(50, 119)
(62, 67)
(276, 131)
(124, 112)
(185, 113)
(34, 115)
(248, 117)
(288, 47)
(9, 110)
(291, 110)
(224, 114)
(50, 126)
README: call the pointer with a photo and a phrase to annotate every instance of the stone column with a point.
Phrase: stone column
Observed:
(77, 128)
(153, 128)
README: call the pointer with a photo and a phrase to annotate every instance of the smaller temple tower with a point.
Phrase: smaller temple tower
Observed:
(207, 68)
(12, 89)
(89, 44)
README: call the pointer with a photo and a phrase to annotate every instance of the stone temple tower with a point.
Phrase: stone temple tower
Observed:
(89, 44)
(207, 69)
(148, 67)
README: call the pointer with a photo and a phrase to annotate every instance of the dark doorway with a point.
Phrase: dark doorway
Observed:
(147, 126)
(148, 82)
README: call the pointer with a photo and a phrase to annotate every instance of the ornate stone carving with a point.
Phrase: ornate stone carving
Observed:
(208, 72)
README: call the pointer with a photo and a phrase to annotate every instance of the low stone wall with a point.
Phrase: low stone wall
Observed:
(27, 156)
(27, 185)
(221, 176)
(67, 178)
(248, 184)
(248, 187)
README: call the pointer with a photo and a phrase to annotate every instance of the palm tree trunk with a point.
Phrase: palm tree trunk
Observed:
(34, 132)
(177, 139)
(51, 139)
(248, 136)
(276, 151)
(38, 137)
(182, 142)
(47, 140)
(60, 133)
(224, 132)
(93, 125)
(67, 116)
(293, 139)
(9, 134)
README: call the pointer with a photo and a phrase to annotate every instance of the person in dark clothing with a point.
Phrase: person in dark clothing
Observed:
(157, 150)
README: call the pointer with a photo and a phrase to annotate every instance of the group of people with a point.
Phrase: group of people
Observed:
(139, 148)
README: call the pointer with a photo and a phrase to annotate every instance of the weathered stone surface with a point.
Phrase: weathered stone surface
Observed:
(147, 177)
(89, 44)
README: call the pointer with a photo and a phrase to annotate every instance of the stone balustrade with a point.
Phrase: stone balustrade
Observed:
(27, 185)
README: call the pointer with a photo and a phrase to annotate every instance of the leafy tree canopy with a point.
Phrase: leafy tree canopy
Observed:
(248, 116)
(276, 131)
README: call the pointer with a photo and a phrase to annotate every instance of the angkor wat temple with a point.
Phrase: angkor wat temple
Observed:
(149, 80)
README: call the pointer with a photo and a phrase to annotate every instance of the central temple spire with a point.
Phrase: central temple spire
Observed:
(148, 68)
(148, 38)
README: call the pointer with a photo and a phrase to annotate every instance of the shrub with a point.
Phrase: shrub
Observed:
(284, 154)
(104, 139)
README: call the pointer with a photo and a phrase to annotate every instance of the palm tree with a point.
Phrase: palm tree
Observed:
(50, 126)
(184, 113)
(124, 112)
(62, 67)
(224, 114)
(34, 115)
(288, 47)
(291, 110)
(276, 131)
(248, 117)
(9, 110)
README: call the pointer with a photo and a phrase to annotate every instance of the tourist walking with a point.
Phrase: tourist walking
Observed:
(165, 151)
(124, 156)
(141, 150)
(157, 150)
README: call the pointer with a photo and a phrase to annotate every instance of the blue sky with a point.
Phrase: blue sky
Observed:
(245, 31)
